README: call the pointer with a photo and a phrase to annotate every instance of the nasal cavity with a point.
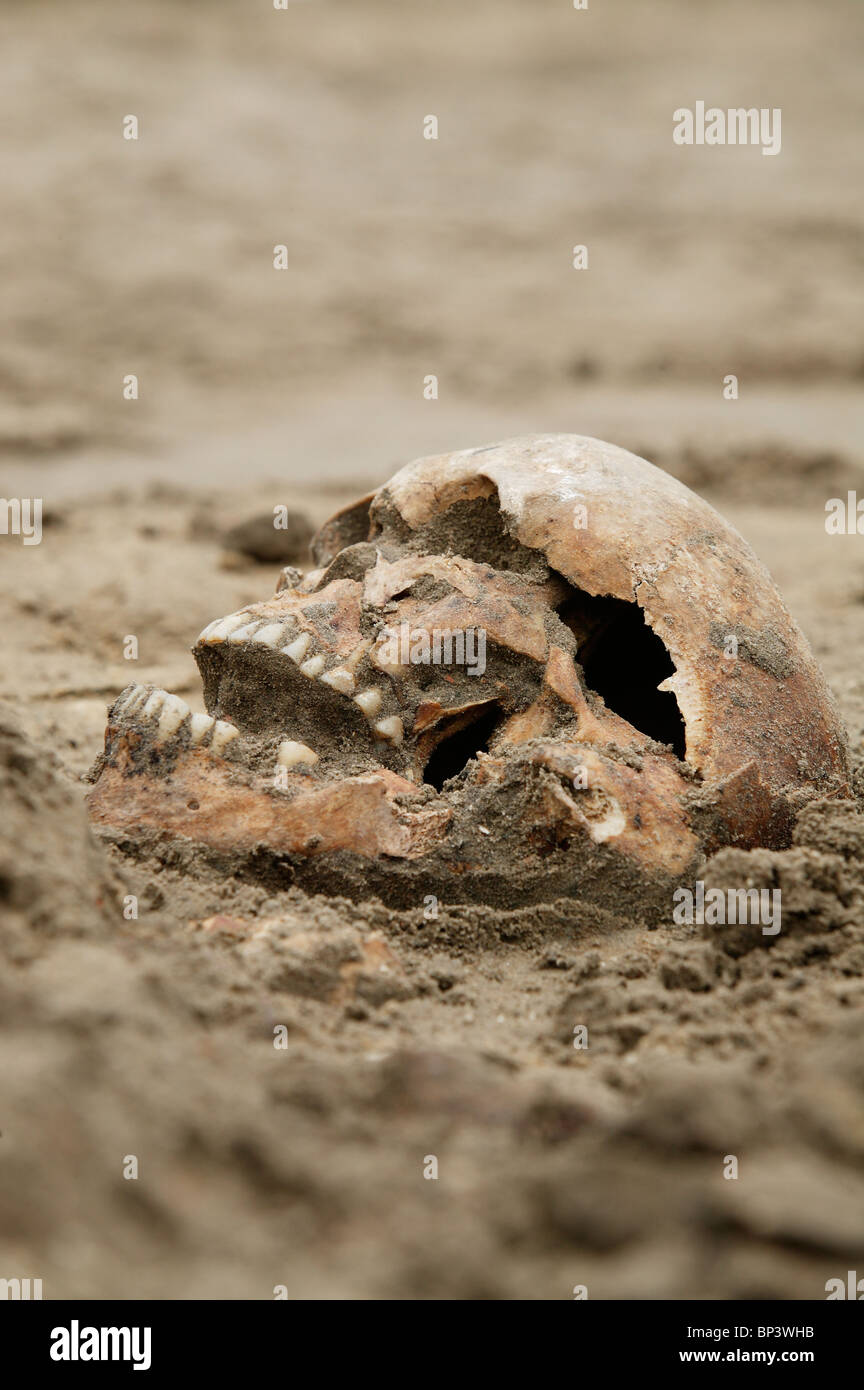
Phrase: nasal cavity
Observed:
(624, 661)
(456, 750)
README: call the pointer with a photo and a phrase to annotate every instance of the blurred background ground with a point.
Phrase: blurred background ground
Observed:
(407, 258)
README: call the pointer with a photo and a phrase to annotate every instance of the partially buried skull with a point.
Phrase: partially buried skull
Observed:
(540, 669)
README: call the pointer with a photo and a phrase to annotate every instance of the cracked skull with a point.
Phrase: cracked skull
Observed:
(539, 669)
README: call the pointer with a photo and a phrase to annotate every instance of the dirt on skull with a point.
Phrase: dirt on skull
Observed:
(535, 670)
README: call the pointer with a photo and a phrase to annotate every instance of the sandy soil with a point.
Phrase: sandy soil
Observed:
(303, 1166)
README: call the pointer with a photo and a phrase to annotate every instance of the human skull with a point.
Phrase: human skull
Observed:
(539, 669)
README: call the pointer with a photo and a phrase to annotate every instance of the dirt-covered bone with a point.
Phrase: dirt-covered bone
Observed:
(538, 669)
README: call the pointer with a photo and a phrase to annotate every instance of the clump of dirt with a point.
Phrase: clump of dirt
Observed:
(270, 540)
(820, 881)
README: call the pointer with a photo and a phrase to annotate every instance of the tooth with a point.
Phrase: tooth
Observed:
(132, 699)
(380, 662)
(199, 726)
(174, 711)
(340, 679)
(244, 634)
(218, 631)
(299, 647)
(391, 729)
(223, 733)
(353, 661)
(292, 754)
(313, 667)
(369, 701)
(136, 704)
(153, 703)
(271, 635)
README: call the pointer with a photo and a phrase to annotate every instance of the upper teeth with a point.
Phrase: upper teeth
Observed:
(313, 667)
(244, 634)
(271, 635)
(369, 701)
(391, 729)
(223, 627)
(340, 678)
(238, 628)
(299, 647)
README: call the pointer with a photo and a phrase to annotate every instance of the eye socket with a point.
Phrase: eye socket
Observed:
(455, 750)
(624, 661)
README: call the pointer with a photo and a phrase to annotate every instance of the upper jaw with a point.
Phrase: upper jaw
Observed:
(302, 669)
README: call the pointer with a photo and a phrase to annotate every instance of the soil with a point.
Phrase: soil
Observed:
(290, 1070)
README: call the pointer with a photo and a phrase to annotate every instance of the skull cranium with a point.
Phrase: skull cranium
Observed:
(539, 669)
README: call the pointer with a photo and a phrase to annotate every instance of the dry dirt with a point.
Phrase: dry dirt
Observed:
(302, 1165)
